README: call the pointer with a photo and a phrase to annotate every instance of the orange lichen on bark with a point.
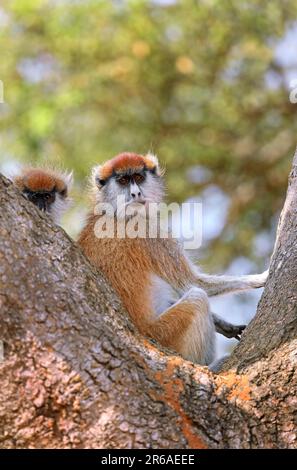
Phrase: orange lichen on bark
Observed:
(148, 345)
(173, 387)
(239, 385)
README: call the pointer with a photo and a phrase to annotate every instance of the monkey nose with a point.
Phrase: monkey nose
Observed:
(41, 204)
(136, 194)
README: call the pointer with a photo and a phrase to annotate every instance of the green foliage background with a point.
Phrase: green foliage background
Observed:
(84, 80)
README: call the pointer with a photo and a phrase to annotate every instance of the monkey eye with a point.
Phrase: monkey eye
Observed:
(124, 180)
(49, 197)
(138, 178)
(63, 193)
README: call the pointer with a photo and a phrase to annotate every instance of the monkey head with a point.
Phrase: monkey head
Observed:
(128, 180)
(47, 189)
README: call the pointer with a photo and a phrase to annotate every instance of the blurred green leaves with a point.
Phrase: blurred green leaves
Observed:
(196, 82)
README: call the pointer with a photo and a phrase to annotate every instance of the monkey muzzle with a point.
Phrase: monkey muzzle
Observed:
(43, 199)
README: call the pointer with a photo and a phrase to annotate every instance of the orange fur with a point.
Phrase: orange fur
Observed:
(124, 161)
(114, 257)
(137, 267)
(171, 329)
(128, 264)
(36, 179)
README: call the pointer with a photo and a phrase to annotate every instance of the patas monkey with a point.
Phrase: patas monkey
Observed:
(151, 272)
(47, 189)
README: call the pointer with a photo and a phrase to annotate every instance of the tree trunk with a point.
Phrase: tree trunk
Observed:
(76, 373)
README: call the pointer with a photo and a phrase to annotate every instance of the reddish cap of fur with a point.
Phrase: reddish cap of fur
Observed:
(126, 161)
(39, 180)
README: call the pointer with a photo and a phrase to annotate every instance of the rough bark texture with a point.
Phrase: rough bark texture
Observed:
(276, 321)
(77, 374)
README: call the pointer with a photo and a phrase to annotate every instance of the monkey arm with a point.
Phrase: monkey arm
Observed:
(218, 285)
(171, 263)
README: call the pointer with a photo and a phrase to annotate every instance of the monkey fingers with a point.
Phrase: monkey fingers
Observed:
(227, 329)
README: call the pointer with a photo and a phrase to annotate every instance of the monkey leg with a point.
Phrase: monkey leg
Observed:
(216, 366)
(227, 329)
(187, 327)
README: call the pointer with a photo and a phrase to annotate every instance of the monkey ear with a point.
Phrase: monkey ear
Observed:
(153, 164)
(68, 179)
(96, 179)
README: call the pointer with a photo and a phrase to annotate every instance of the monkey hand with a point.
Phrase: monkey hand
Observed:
(259, 279)
(235, 331)
(227, 329)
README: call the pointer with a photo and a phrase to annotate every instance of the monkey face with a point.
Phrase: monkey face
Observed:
(129, 181)
(42, 199)
(132, 192)
(47, 189)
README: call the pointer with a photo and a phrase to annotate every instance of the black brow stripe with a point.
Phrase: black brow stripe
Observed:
(38, 191)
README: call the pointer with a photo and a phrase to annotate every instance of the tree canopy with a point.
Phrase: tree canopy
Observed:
(198, 83)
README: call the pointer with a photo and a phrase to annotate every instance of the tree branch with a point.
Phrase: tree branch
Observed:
(77, 374)
(276, 320)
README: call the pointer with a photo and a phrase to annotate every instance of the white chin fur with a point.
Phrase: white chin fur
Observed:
(58, 208)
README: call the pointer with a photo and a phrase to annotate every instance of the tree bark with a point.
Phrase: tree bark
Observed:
(76, 373)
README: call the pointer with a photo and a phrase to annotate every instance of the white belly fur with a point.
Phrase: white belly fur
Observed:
(163, 296)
